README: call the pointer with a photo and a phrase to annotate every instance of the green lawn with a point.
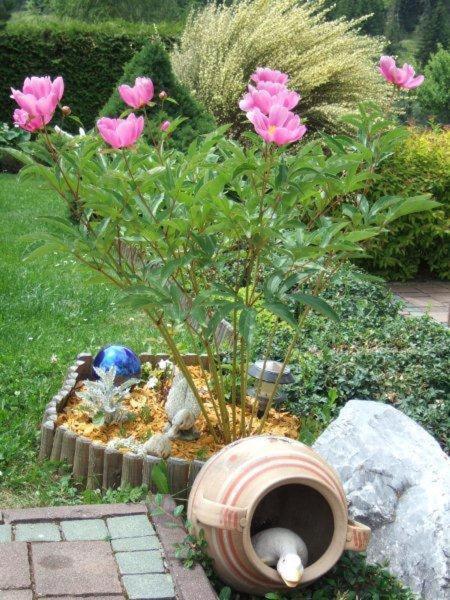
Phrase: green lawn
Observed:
(47, 308)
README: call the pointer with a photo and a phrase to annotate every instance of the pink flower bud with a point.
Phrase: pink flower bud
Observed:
(165, 125)
(162, 95)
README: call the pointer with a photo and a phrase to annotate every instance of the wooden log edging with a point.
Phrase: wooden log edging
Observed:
(93, 465)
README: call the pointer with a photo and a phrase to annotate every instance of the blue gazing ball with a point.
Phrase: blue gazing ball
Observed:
(125, 360)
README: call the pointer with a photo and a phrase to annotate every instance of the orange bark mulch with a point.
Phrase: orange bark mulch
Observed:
(149, 417)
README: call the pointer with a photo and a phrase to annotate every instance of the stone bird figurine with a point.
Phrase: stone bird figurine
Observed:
(182, 409)
(283, 549)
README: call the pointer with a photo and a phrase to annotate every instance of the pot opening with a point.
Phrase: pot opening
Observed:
(301, 509)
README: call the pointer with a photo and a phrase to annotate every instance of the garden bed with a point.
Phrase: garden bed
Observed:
(69, 435)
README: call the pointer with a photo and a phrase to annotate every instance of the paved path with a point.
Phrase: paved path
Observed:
(101, 552)
(430, 297)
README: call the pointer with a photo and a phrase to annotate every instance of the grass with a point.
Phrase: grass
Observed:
(47, 309)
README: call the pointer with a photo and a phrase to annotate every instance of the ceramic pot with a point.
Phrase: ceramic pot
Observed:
(268, 481)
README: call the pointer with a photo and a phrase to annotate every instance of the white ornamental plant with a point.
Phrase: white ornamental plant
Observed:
(103, 399)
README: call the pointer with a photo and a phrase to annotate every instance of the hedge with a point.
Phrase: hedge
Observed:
(153, 61)
(417, 244)
(89, 57)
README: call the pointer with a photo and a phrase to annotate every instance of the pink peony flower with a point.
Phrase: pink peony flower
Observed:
(401, 77)
(121, 133)
(164, 125)
(263, 74)
(39, 96)
(281, 126)
(263, 100)
(23, 120)
(140, 94)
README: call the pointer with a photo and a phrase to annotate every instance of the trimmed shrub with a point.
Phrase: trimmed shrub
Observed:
(89, 57)
(153, 61)
(417, 242)
(329, 62)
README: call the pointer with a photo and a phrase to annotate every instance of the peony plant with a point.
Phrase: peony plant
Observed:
(221, 231)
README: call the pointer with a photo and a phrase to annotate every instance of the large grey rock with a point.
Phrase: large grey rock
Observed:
(397, 481)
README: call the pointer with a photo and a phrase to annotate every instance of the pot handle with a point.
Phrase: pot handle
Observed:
(358, 536)
(221, 516)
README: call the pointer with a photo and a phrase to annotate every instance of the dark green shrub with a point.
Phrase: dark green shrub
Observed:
(130, 10)
(153, 61)
(89, 57)
(373, 354)
(417, 242)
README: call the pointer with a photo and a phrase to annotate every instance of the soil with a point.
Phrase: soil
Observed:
(149, 417)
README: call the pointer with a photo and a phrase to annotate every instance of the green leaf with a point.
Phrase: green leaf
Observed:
(282, 311)
(160, 477)
(361, 234)
(317, 304)
(412, 205)
(99, 418)
(247, 320)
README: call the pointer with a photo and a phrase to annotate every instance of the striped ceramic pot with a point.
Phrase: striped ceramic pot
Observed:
(268, 481)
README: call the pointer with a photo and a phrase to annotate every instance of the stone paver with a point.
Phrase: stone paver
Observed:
(425, 297)
(5, 534)
(89, 529)
(131, 563)
(102, 597)
(149, 587)
(62, 513)
(133, 526)
(16, 595)
(149, 542)
(37, 532)
(74, 568)
(14, 568)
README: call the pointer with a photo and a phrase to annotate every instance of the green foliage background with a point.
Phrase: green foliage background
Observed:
(153, 61)
(416, 242)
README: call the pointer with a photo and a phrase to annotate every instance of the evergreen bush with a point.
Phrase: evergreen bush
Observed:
(417, 242)
(434, 94)
(153, 61)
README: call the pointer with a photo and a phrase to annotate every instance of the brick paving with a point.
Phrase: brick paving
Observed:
(425, 297)
(100, 552)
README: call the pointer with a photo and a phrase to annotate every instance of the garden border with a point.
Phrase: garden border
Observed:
(93, 465)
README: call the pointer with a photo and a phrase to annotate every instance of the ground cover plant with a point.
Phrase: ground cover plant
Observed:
(377, 355)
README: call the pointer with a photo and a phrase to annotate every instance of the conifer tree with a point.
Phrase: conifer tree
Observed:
(434, 29)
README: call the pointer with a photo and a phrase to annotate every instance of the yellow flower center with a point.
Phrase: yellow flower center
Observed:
(272, 129)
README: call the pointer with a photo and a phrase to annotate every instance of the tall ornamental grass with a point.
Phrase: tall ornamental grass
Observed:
(329, 62)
